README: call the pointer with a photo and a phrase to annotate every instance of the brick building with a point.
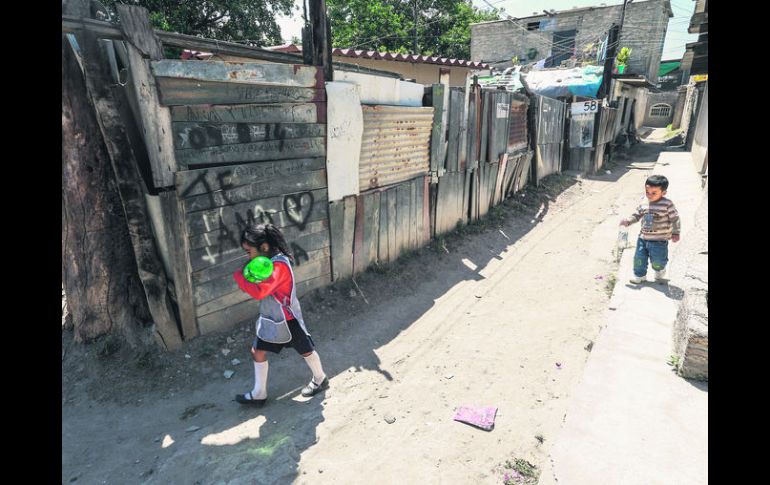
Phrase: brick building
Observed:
(578, 33)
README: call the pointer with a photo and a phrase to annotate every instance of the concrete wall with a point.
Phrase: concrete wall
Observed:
(422, 73)
(344, 128)
(690, 333)
(644, 31)
(700, 143)
(636, 98)
(669, 98)
(383, 90)
(679, 110)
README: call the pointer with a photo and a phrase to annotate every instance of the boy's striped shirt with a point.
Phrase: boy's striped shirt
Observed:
(659, 219)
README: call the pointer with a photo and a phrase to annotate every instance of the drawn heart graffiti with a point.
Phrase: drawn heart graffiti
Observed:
(298, 208)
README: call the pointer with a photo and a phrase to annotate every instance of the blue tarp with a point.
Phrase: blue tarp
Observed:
(552, 83)
(579, 81)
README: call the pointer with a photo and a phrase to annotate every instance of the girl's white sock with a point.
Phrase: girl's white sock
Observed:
(314, 362)
(260, 380)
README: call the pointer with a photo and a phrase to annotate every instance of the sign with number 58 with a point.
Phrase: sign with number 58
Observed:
(585, 107)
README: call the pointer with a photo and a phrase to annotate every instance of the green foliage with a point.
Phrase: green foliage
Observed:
(443, 26)
(623, 56)
(248, 21)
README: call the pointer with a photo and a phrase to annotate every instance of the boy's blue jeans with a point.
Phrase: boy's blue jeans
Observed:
(655, 251)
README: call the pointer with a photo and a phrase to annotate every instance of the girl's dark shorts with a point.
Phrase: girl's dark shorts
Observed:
(300, 341)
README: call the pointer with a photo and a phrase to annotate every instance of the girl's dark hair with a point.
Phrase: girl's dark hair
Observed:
(255, 234)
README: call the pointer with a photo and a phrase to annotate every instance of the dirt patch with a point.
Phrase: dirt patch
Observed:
(508, 307)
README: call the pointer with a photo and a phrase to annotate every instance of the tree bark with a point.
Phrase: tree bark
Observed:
(99, 272)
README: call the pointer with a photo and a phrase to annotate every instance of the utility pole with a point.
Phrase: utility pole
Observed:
(415, 28)
(316, 38)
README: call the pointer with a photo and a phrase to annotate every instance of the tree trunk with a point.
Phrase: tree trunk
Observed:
(99, 272)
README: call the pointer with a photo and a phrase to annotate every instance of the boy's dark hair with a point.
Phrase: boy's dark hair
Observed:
(255, 234)
(657, 181)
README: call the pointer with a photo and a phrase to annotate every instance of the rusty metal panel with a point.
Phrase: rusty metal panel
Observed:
(395, 145)
(517, 135)
(500, 111)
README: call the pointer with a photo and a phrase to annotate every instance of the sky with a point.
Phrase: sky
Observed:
(673, 48)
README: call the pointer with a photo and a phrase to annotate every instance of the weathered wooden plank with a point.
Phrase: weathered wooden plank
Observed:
(291, 184)
(336, 229)
(218, 293)
(492, 182)
(204, 180)
(350, 226)
(485, 188)
(269, 210)
(203, 135)
(239, 72)
(482, 189)
(466, 195)
(223, 302)
(448, 201)
(212, 255)
(512, 166)
(457, 192)
(471, 155)
(301, 257)
(459, 197)
(253, 152)
(438, 130)
(432, 206)
(371, 228)
(228, 318)
(483, 194)
(305, 287)
(426, 218)
(342, 227)
(403, 211)
(382, 241)
(251, 113)
(154, 119)
(418, 210)
(486, 112)
(108, 108)
(440, 206)
(462, 157)
(179, 250)
(229, 236)
(392, 224)
(455, 114)
(414, 207)
(476, 189)
(499, 179)
(174, 92)
(358, 240)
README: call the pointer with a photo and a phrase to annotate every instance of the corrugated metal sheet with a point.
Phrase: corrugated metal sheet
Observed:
(395, 144)
(551, 125)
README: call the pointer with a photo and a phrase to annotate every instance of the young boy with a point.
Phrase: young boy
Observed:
(660, 222)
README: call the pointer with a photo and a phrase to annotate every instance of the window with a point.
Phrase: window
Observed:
(533, 26)
(662, 110)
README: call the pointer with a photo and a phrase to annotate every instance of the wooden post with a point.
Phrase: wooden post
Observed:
(155, 120)
(130, 185)
(321, 37)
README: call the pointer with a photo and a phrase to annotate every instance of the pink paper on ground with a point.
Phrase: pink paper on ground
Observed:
(483, 417)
